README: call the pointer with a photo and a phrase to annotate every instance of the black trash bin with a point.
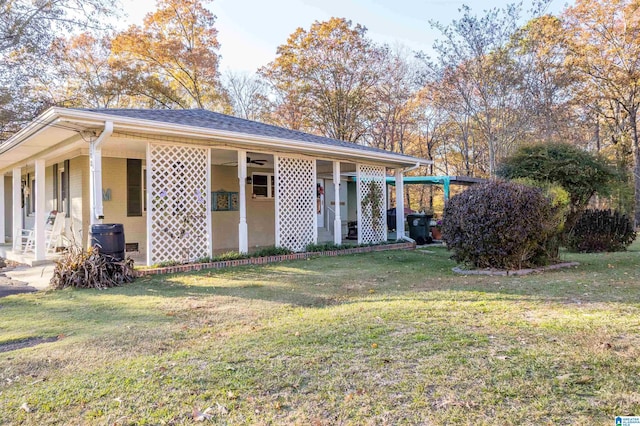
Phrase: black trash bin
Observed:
(419, 228)
(109, 237)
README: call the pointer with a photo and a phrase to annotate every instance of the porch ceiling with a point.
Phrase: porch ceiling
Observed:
(47, 143)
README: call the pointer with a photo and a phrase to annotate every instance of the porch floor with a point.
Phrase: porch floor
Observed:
(6, 251)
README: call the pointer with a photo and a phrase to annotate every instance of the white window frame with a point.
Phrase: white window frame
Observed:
(270, 187)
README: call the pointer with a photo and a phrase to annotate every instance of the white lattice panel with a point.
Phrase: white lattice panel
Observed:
(178, 202)
(372, 217)
(296, 202)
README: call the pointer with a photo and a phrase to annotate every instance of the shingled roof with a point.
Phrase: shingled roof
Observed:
(202, 118)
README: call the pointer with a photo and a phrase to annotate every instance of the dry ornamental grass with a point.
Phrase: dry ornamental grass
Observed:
(91, 269)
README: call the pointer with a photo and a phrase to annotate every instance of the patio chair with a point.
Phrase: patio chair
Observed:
(53, 234)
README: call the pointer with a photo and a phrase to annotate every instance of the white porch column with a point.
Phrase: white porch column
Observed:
(40, 215)
(17, 210)
(2, 230)
(150, 206)
(359, 203)
(243, 231)
(399, 205)
(276, 198)
(337, 221)
(208, 201)
(96, 212)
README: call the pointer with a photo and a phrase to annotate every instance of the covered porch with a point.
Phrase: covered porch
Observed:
(187, 194)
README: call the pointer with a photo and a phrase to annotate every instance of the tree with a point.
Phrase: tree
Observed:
(605, 36)
(474, 62)
(172, 59)
(549, 83)
(324, 79)
(580, 173)
(248, 95)
(393, 118)
(27, 29)
(85, 76)
(30, 26)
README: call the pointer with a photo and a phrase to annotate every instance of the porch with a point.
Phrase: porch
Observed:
(186, 185)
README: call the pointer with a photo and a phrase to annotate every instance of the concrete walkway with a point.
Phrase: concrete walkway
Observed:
(37, 277)
(24, 279)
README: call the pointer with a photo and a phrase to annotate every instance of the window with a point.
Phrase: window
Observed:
(263, 185)
(134, 187)
(61, 188)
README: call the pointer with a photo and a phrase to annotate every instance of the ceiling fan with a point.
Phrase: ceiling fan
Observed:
(257, 161)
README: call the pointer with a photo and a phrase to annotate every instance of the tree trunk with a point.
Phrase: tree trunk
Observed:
(633, 118)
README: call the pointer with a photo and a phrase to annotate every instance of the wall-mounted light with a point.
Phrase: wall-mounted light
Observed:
(249, 181)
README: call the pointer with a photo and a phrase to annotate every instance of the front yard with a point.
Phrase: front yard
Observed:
(380, 338)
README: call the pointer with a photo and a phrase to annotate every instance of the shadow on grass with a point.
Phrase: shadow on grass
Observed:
(609, 277)
(324, 282)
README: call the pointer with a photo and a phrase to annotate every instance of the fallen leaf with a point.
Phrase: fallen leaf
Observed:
(374, 345)
(201, 416)
(221, 409)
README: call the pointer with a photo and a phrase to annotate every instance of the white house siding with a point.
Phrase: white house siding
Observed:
(224, 224)
(114, 178)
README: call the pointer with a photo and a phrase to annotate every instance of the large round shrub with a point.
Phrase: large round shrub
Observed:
(499, 224)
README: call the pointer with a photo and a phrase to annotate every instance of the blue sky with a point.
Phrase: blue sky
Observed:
(251, 30)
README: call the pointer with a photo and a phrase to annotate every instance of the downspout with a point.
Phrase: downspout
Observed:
(95, 165)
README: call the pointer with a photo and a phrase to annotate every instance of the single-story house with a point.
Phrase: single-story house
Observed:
(187, 184)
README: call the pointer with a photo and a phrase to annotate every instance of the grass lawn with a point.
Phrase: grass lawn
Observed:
(380, 338)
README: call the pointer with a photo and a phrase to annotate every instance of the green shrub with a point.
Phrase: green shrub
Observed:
(167, 264)
(601, 231)
(271, 251)
(329, 246)
(499, 224)
(90, 269)
(229, 255)
(560, 203)
(579, 172)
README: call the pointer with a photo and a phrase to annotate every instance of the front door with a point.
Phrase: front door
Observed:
(320, 202)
